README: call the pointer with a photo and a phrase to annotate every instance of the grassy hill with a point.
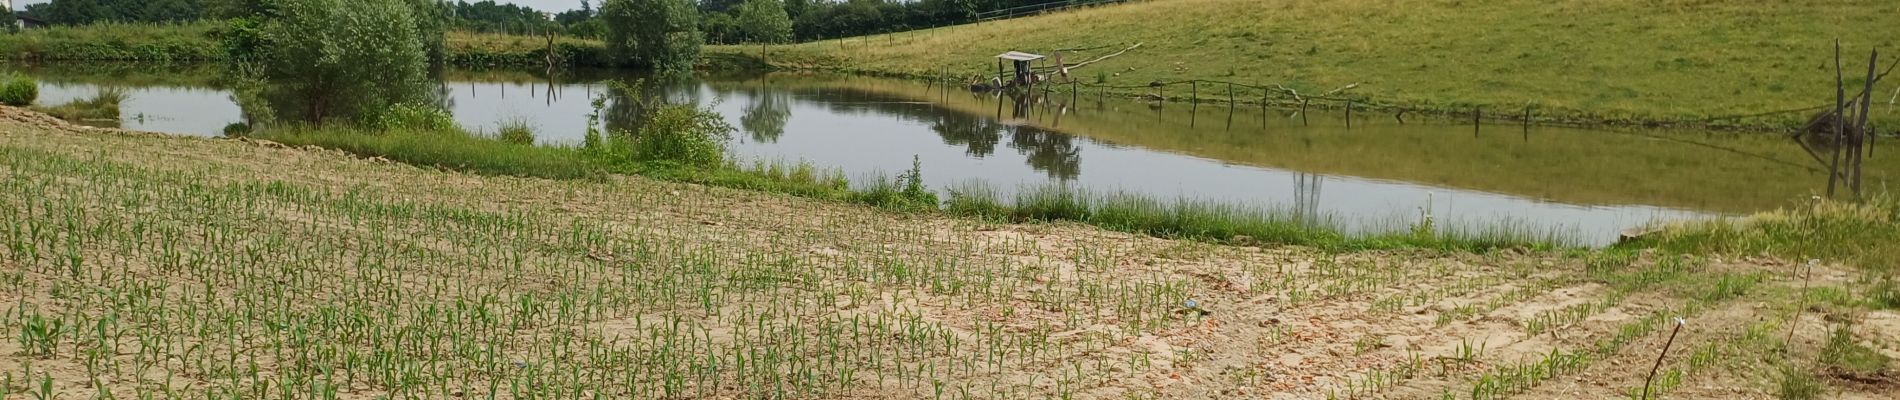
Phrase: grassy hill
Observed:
(1597, 60)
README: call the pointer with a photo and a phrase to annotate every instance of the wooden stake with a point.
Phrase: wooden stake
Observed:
(1477, 115)
(1303, 112)
(1348, 114)
(1196, 92)
(1527, 119)
(1659, 358)
(1796, 322)
(1866, 103)
(1840, 121)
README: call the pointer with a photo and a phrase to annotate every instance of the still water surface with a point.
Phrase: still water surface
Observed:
(1379, 173)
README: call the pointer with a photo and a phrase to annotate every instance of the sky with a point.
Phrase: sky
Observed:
(543, 5)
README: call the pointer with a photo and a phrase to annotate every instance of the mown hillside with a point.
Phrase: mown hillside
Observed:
(1598, 60)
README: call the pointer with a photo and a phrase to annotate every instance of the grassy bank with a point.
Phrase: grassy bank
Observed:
(1864, 234)
(199, 42)
(115, 42)
(1606, 61)
(131, 256)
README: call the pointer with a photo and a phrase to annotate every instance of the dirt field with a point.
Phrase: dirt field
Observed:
(142, 265)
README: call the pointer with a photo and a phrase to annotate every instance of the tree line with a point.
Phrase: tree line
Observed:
(717, 21)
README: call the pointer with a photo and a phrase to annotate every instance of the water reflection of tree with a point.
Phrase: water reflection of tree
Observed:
(977, 135)
(765, 118)
(1052, 153)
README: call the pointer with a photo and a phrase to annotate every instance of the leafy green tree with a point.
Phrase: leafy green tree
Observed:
(327, 60)
(720, 28)
(765, 21)
(662, 35)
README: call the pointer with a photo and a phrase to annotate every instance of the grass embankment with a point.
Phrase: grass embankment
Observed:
(1864, 234)
(1635, 62)
(115, 42)
(240, 270)
(198, 42)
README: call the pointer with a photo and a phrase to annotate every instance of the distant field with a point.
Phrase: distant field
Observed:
(1596, 60)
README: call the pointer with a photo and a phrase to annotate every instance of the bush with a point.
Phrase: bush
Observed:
(19, 91)
(683, 134)
(515, 131)
(907, 192)
(411, 117)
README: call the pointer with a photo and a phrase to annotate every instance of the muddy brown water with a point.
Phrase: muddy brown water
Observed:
(1379, 174)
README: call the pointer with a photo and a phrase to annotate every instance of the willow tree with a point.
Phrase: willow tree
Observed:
(335, 60)
(662, 35)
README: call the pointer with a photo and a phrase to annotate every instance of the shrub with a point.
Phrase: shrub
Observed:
(237, 129)
(19, 91)
(411, 117)
(683, 134)
(515, 131)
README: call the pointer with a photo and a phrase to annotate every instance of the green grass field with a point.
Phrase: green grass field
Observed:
(1599, 61)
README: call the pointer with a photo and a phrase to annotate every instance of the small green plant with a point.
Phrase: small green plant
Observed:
(1885, 293)
(907, 192)
(1843, 355)
(1797, 384)
(19, 91)
(515, 131)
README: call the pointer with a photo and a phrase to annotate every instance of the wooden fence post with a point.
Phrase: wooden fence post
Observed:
(1303, 112)
(1348, 113)
(1840, 133)
(1527, 119)
(1477, 120)
(1195, 91)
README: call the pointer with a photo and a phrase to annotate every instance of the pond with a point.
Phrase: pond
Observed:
(1379, 173)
